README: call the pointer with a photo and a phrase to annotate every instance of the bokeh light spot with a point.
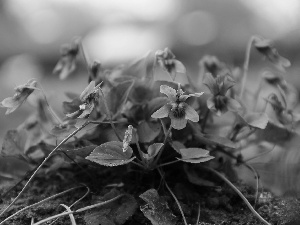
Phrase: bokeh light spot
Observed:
(197, 28)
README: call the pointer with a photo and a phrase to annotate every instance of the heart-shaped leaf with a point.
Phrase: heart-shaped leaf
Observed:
(148, 131)
(118, 95)
(257, 120)
(111, 154)
(195, 155)
(157, 209)
(153, 150)
(215, 140)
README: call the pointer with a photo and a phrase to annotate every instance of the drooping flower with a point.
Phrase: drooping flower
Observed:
(211, 64)
(67, 62)
(218, 102)
(166, 59)
(21, 94)
(88, 99)
(176, 108)
(265, 47)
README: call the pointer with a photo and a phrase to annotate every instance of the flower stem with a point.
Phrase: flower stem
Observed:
(40, 202)
(203, 124)
(163, 147)
(79, 210)
(239, 193)
(49, 106)
(109, 115)
(45, 160)
(168, 163)
(246, 65)
(84, 55)
(173, 195)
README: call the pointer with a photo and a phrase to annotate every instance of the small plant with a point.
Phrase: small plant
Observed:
(128, 117)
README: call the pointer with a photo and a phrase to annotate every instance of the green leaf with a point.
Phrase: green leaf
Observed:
(257, 120)
(195, 155)
(276, 134)
(118, 95)
(114, 213)
(148, 131)
(81, 152)
(215, 140)
(157, 209)
(153, 150)
(13, 145)
(111, 154)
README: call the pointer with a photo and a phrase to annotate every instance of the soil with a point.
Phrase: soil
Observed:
(219, 204)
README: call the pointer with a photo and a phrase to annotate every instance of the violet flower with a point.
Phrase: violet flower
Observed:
(177, 109)
(89, 98)
(166, 59)
(21, 94)
(218, 102)
(67, 62)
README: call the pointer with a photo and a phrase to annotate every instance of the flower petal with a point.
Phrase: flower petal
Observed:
(233, 105)
(228, 83)
(162, 112)
(170, 92)
(178, 123)
(88, 90)
(211, 83)
(179, 67)
(11, 104)
(191, 114)
(211, 103)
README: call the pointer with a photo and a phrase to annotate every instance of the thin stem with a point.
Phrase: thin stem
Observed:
(198, 217)
(239, 193)
(137, 164)
(139, 147)
(257, 93)
(78, 210)
(167, 163)
(257, 182)
(84, 55)
(203, 124)
(45, 160)
(163, 147)
(246, 65)
(88, 191)
(109, 115)
(164, 127)
(173, 195)
(19, 182)
(38, 203)
(49, 106)
(72, 218)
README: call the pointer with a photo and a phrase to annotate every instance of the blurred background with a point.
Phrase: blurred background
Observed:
(117, 31)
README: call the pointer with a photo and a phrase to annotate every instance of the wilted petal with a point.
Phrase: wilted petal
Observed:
(178, 123)
(211, 83)
(265, 47)
(74, 114)
(228, 83)
(191, 114)
(11, 104)
(211, 103)
(21, 94)
(233, 105)
(162, 112)
(87, 91)
(87, 111)
(170, 92)
(179, 67)
(183, 98)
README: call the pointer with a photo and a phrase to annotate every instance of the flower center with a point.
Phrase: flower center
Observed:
(178, 110)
